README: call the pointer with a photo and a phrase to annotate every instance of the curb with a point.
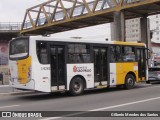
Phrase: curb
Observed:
(17, 93)
(22, 92)
(4, 86)
(4, 94)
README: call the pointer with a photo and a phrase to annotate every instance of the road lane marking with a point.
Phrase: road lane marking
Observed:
(125, 104)
(147, 87)
(9, 106)
(104, 108)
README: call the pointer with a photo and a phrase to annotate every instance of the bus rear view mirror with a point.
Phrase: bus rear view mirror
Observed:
(148, 53)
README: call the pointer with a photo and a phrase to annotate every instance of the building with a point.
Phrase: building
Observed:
(7, 32)
(156, 53)
(133, 30)
(155, 27)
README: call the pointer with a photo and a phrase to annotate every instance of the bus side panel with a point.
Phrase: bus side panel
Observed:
(85, 70)
(118, 72)
(40, 72)
(41, 76)
(123, 68)
(13, 71)
(23, 70)
(113, 77)
(146, 72)
(20, 74)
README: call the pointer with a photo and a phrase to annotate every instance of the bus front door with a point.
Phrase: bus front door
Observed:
(57, 67)
(100, 66)
(141, 63)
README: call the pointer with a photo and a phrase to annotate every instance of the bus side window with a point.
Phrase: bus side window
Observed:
(78, 53)
(42, 53)
(112, 54)
(118, 54)
(128, 54)
(43, 56)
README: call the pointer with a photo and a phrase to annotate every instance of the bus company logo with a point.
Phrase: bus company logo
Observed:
(81, 69)
(74, 69)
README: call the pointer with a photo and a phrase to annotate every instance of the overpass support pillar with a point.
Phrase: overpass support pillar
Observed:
(145, 31)
(119, 26)
(145, 34)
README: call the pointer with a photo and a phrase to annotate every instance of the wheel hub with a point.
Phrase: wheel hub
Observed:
(130, 81)
(76, 86)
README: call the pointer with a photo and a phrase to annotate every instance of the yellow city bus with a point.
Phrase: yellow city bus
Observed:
(47, 64)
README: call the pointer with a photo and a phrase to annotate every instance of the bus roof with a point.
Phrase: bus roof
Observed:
(100, 41)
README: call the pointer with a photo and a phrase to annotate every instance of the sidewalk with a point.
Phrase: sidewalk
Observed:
(7, 90)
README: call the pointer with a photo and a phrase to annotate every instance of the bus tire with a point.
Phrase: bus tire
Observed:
(76, 86)
(129, 81)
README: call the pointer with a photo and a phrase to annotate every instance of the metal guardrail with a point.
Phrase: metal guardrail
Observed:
(10, 26)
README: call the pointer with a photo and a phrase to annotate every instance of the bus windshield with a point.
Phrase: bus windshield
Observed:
(19, 48)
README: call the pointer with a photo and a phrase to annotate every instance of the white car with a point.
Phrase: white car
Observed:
(153, 74)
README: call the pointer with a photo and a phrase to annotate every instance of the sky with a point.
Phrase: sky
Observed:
(14, 11)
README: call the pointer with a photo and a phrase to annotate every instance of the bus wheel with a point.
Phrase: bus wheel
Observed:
(76, 86)
(129, 81)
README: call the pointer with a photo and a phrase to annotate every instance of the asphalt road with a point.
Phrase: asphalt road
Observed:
(142, 98)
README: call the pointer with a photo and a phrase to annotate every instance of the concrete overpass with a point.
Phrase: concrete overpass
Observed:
(9, 31)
